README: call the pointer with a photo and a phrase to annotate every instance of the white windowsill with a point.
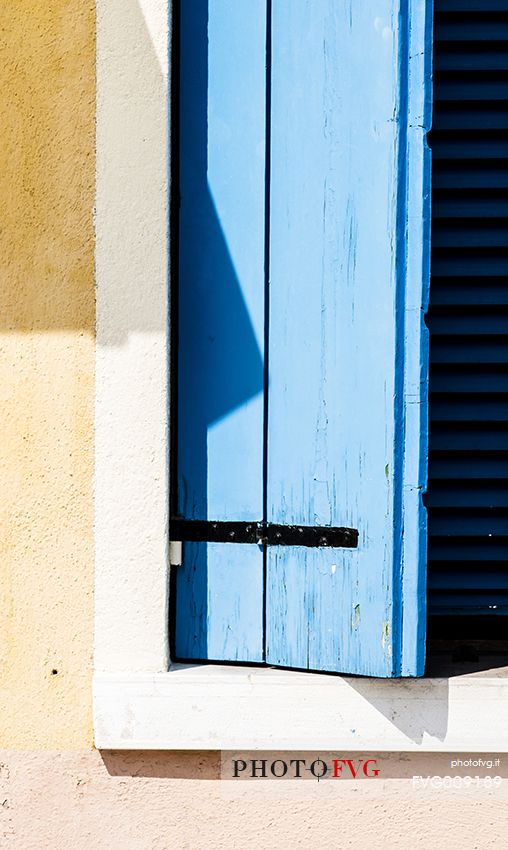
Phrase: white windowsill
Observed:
(216, 707)
(199, 706)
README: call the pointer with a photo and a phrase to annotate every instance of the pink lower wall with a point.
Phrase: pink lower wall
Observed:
(86, 800)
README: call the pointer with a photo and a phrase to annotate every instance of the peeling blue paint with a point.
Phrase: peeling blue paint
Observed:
(325, 387)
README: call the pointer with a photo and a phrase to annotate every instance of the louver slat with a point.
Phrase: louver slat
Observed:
(467, 496)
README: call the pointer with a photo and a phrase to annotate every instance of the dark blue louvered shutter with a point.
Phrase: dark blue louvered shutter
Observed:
(468, 318)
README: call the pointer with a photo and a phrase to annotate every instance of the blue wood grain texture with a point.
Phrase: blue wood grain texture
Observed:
(338, 279)
(414, 439)
(347, 346)
(221, 293)
(219, 588)
(219, 616)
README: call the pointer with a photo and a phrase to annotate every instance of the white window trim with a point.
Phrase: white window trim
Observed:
(140, 700)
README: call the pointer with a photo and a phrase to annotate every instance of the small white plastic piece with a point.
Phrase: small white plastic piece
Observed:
(175, 553)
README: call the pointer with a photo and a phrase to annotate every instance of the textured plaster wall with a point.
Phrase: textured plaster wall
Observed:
(156, 801)
(56, 791)
(85, 800)
(47, 93)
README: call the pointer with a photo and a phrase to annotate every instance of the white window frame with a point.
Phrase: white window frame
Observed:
(140, 699)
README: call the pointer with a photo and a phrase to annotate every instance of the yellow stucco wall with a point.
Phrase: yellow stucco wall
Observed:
(47, 103)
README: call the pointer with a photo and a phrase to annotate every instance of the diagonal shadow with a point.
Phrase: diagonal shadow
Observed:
(220, 365)
(405, 703)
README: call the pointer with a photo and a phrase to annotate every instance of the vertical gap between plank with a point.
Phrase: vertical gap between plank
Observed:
(268, 86)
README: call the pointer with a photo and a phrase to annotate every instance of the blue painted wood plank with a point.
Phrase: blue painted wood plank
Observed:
(320, 616)
(219, 588)
(219, 615)
(221, 291)
(338, 252)
(415, 283)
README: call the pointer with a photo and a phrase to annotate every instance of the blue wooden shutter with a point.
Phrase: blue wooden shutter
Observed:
(302, 352)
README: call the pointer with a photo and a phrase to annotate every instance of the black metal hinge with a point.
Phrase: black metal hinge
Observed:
(270, 534)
